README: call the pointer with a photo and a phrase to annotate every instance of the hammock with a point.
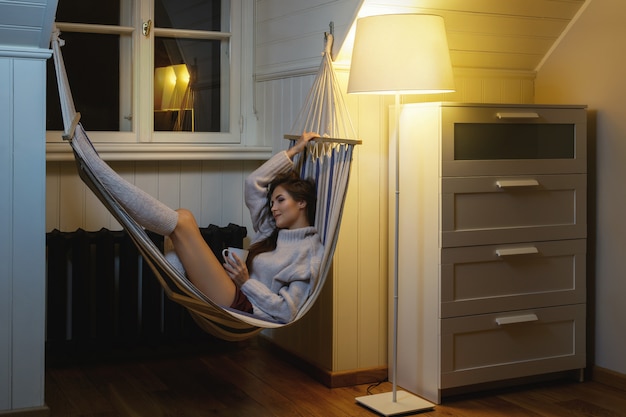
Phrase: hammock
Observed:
(327, 161)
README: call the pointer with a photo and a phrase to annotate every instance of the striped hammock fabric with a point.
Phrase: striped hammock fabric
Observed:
(327, 161)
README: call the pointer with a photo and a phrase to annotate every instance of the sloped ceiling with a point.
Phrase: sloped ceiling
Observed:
(482, 34)
(489, 34)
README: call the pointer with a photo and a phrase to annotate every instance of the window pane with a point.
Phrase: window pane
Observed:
(93, 12)
(92, 64)
(189, 14)
(190, 93)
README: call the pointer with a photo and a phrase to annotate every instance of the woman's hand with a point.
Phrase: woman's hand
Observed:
(301, 143)
(236, 270)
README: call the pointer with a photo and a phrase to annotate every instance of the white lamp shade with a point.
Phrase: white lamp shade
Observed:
(401, 53)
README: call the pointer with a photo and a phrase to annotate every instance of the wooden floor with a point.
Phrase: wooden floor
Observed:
(248, 379)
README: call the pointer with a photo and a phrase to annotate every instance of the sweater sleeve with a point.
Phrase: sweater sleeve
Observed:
(281, 307)
(256, 191)
(284, 305)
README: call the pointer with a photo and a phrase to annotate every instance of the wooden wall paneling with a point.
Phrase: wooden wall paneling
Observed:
(289, 99)
(211, 192)
(289, 35)
(233, 205)
(291, 104)
(27, 299)
(371, 179)
(52, 194)
(190, 188)
(347, 269)
(492, 91)
(169, 183)
(270, 9)
(72, 193)
(347, 286)
(260, 91)
(468, 90)
(527, 87)
(509, 35)
(273, 111)
(269, 115)
(538, 8)
(259, 105)
(6, 270)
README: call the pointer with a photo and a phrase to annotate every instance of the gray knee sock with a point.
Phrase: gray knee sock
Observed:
(171, 256)
(145, 209)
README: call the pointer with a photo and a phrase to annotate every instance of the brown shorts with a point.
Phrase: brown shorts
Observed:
(241, 302)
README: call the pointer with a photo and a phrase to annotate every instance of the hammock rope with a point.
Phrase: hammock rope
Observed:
(324, 110)
(327, 161)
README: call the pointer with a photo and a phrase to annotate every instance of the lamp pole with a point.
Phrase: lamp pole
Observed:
(395, 54)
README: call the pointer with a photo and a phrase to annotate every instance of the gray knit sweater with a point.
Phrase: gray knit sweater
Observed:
(281, 280)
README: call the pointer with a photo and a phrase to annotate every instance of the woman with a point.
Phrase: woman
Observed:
(284, 258)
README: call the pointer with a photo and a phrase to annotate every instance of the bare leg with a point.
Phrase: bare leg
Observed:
(203, 269)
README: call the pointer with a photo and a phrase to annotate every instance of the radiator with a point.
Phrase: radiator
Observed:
(103, 297)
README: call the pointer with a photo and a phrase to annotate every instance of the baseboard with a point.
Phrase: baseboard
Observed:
(329, 378)
(42, 411)
(608, 377)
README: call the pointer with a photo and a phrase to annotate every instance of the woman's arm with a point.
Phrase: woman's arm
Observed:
(301, 143)
(295, 285)
(257, 182)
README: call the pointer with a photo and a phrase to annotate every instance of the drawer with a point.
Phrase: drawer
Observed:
(486, 279)
(513, 140)
(490, 347)
(501, 209)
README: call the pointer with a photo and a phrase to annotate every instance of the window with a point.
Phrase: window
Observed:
(166, 73)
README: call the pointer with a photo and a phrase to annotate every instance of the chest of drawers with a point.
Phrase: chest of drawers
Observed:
(492, 244)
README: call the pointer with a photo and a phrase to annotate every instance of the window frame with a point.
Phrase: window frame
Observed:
(142, 142)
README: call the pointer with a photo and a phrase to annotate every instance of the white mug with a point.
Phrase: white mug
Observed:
(241, 253)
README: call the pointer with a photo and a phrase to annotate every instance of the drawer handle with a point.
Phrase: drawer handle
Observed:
(529, 250)
(518, 115)
(525, 318)
(517, 183)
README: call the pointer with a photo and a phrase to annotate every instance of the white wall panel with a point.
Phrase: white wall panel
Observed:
(190, 187)
(22, 250)
(212, 190)
(290, 34)
(28, 287)
(6, 252)
(52, 193)
(588, 69)
(72, 199)
(169, 183)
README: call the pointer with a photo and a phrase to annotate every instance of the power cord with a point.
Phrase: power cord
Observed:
(371, 387)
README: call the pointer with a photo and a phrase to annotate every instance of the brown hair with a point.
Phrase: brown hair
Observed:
(300, 190)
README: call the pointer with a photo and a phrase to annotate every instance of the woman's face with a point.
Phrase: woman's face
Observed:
(288, 213)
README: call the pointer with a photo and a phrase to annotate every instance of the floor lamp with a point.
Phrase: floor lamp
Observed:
(399, 54)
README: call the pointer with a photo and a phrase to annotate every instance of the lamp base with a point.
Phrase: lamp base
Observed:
(384, 404)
